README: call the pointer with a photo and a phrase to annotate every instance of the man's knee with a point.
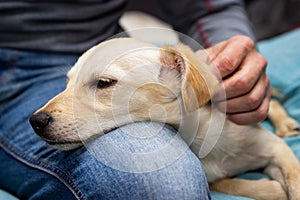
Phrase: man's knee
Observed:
(138, 161)
(149, 161)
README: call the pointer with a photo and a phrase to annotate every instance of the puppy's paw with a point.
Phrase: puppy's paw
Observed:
(287, 127)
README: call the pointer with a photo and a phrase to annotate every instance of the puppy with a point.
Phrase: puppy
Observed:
(119, 81)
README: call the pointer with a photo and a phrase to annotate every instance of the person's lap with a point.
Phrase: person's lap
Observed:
(32, 169)
(282, 59)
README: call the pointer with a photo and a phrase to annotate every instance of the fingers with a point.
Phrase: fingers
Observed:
(214, 51)
(247, 91)
(253, 116)
(246, 78)
(245, 83)
(248, 102)
(227, 56)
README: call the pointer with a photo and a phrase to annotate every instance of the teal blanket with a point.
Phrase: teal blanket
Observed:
(283, 55)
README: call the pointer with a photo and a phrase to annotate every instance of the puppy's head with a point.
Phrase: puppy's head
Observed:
(120, 81)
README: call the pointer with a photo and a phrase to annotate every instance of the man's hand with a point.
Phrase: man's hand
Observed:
(245, 81)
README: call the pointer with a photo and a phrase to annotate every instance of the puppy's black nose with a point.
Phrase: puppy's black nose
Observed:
(39, 122)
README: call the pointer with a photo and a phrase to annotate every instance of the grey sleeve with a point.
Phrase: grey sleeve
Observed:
(207, 21)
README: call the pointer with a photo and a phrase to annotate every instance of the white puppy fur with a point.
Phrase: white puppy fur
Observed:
(119, 81)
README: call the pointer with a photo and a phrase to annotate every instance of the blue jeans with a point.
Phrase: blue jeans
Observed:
(30, 169)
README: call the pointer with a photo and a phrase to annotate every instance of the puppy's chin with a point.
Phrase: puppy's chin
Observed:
(70, 144)
(65, 145)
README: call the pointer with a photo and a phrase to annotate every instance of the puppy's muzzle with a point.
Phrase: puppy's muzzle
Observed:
(39, 122)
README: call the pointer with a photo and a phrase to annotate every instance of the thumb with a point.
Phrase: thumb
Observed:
(210, 54)
(214, 51)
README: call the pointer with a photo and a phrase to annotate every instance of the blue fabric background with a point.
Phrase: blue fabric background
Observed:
(283, 55)
(5, 196)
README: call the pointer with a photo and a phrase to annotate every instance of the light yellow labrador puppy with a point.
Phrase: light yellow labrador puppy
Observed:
(119, 81)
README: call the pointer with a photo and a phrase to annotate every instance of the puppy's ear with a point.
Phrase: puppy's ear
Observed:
(197, 82)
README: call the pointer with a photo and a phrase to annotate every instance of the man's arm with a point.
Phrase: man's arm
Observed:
(208, 21)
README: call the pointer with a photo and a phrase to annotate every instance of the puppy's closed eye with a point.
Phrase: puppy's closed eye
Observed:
(104, 82)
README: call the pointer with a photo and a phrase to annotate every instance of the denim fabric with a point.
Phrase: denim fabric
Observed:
(30, 169)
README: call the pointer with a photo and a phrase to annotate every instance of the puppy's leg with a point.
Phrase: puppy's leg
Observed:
(276, 174)
(284, 125)
(257, 189)
(264, 149)
(284, 159)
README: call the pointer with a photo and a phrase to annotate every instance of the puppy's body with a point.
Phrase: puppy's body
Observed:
(124, 80)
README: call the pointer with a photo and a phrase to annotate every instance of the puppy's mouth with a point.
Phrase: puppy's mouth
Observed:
(52, 142)
(68, 144)
(64, 144)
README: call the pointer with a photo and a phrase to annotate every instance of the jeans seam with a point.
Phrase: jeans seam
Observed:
(29, 160)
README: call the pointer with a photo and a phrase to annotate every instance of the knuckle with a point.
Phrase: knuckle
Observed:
(267, 78)
(253, 101)
(262, 112)
(261, 116)
(267, 83)
(242, 85)
(262, 61)
(248, 42)
(226, 65)
(245, 40)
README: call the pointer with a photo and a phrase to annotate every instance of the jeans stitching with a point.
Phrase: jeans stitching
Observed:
(62, 175)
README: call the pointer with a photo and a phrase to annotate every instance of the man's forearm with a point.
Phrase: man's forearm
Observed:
(209, 21)
(223, 22)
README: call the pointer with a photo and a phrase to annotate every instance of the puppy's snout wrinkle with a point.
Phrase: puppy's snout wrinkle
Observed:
(39, 122)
